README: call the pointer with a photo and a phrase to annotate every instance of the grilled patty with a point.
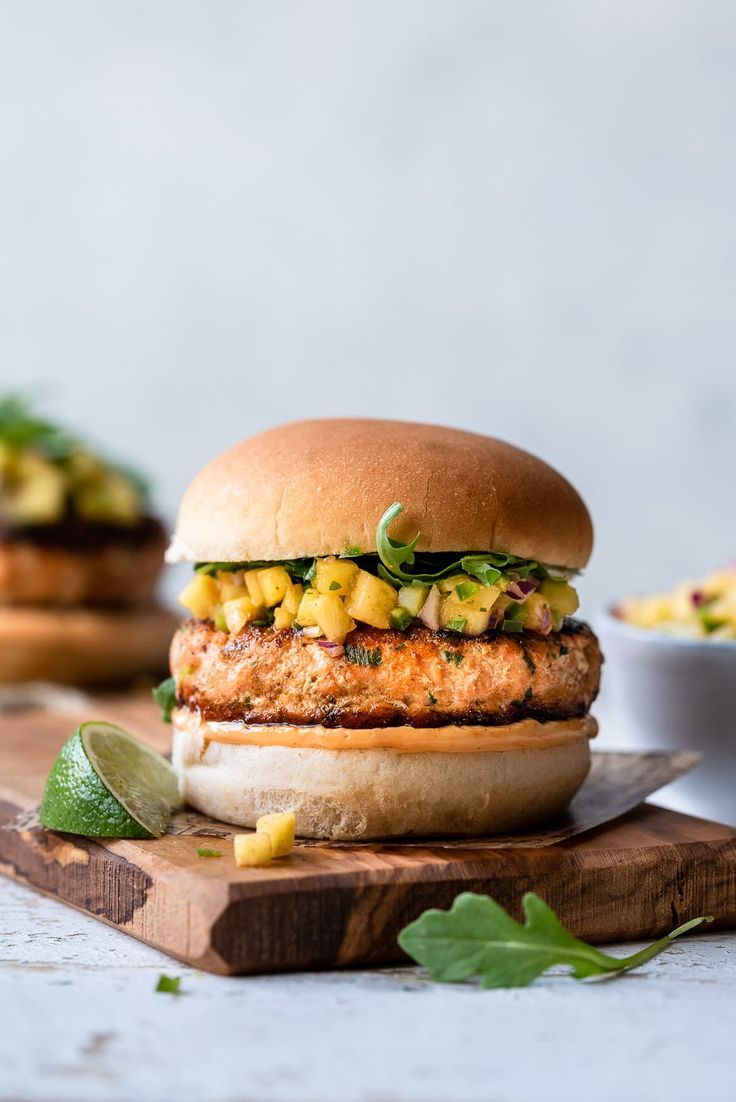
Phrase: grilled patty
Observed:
(420, 677)
(117, 566)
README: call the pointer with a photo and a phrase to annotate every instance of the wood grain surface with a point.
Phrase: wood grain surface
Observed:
(329, 905)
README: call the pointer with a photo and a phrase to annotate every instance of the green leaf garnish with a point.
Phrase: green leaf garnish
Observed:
(486, 566)
(203, 852)
(303, 569)
(477, 937)
(165, 696)
(352, 553)
(363, 656)
(454, 657)
(169, 984)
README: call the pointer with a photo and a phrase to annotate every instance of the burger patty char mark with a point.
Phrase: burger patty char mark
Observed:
(419, 678)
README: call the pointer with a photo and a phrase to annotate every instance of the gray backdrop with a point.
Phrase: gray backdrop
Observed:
(514, 218)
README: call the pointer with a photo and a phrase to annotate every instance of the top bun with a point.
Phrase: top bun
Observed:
(316, 487)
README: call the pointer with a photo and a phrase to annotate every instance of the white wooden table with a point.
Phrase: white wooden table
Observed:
(80, 1021)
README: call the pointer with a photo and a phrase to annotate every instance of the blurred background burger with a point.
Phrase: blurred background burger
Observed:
(80, 555)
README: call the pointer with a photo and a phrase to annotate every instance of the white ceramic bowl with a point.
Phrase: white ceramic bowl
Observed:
(679, 694)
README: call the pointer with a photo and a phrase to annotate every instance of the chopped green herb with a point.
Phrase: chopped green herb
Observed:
(209, 852)
(169, 984)
(466, 590)
(165, 696)
(528, 660)
(247, 702)
(454, 657)
(477, 937)
(400, 646)
(431, 698)
(352, 553)
(457, 623)
(296, 626)
(564, 650)
(363, 656)
(335, 585)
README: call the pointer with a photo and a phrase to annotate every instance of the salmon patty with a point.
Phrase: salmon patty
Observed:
(81, 564)
(419, 678)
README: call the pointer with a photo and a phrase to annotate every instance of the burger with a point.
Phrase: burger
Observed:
(381, 636)
(79, 558)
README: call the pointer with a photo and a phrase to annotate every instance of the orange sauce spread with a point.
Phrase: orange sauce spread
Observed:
(527, 734)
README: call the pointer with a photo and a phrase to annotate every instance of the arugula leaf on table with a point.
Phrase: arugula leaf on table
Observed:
(165, 696)
(477, 937)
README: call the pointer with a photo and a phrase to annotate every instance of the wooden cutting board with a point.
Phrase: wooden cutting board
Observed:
(334, 905)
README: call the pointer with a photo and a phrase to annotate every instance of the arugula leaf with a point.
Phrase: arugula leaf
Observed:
(304, 569)
(352, 553)
(165, 696)
(477, 937)
(486, 566)
(20, 428)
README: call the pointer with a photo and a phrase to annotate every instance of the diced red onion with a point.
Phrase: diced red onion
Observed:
(697, 597)
(312, 632)
(430, 614)
(335, 650)
(495, 620)
(520, 588)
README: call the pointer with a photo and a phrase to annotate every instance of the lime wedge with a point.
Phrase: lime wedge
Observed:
(107, 784)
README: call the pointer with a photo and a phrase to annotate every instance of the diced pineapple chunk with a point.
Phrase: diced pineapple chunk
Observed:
(111, 497)
(282, 618)
(293, 598)
(279, 826)
(200, 596)
(456, 616)
(274, 582)
(252, 850)
(238, 613)
(371, 600)
(332, 617)
(561, 596)
(536, 615)
(253, 586)
(39, 496)
(230, 588)
(335, 576)
(412, 598)
(306, 614)
(471, 613)
(446, 585)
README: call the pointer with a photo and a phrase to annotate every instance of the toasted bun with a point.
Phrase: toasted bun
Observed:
(363, 794)
(82, 646)
(317, 487)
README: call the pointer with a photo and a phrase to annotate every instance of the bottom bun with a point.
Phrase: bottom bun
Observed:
(350, 794)
(82, 646)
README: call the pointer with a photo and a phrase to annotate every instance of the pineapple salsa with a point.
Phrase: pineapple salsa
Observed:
(47, 475)
(328, 597)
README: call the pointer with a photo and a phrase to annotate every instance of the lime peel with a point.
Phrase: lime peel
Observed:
(107, 784)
